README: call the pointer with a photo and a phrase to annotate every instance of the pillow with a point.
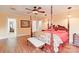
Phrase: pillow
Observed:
(43, 36)
(38, 33)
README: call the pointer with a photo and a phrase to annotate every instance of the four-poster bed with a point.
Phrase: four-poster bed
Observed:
(51, 43)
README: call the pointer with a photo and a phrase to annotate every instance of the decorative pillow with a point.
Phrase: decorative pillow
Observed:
(38, 33)
(43, 36)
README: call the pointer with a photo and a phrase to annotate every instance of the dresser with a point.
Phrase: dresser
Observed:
(76, 39)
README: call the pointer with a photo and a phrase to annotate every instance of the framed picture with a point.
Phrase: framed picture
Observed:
(25, 23)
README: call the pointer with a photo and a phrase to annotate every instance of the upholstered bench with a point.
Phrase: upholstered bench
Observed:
(37, 43)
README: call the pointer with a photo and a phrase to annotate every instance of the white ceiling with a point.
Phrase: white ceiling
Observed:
(20, 9)
(57, 9)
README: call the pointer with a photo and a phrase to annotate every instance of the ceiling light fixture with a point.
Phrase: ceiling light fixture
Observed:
(35, 12)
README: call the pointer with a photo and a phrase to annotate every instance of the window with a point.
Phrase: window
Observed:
(36, 26)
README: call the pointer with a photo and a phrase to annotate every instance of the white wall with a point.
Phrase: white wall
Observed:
(74, 28)
(3, 26)
(62, 22)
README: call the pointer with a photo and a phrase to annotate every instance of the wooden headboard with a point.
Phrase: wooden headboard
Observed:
(59, 27)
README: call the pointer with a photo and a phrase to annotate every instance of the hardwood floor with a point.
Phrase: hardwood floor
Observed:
(21, 46)
(3, 46)
(70, 49)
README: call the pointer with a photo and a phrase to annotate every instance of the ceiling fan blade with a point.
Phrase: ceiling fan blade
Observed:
(39, 7)
(41, 11)
(28, 9)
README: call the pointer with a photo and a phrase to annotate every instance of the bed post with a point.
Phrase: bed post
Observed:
(51, 15)
(31, 25)
(68, 21)
(51, 40)
(48, 24)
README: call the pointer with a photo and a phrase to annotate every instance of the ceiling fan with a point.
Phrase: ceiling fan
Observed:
(36, 10)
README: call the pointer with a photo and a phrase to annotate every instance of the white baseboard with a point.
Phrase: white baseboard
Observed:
(7, 36)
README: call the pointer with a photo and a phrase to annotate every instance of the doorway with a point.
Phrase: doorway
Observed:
(11, 34)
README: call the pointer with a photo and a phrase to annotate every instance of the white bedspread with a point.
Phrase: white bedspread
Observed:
(37, 43)
(57, 42)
